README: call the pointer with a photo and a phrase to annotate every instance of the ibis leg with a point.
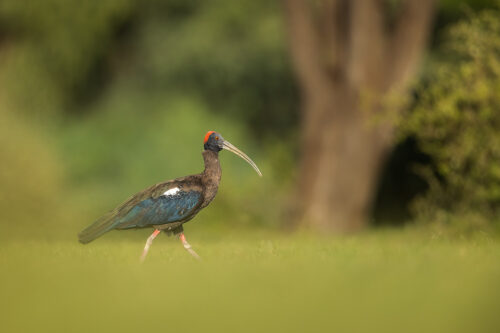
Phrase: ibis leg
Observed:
(187, 246)
(148, 244)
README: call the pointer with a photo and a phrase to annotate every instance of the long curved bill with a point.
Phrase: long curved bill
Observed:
(228, 146)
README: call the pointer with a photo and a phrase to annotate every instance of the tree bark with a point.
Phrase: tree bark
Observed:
(346, 62)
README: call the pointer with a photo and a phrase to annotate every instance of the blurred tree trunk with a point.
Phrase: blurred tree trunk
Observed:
(347, 59)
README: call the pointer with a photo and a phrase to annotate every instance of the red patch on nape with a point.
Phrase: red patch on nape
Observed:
(207, 136)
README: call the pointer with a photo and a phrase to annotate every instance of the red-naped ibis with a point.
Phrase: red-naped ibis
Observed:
(168, 205)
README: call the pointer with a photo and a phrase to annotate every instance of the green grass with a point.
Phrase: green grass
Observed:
(257, 282)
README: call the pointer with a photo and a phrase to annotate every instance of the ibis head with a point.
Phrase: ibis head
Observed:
(215, 142)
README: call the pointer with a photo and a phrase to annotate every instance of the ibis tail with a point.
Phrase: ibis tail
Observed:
(98, 228)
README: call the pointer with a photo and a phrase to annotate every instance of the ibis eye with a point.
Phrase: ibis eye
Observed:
(216, 138)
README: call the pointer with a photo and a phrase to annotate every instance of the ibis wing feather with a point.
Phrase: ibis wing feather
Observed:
(149, 207)
(162, 210)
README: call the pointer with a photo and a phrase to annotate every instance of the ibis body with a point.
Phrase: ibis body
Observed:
(168, 205)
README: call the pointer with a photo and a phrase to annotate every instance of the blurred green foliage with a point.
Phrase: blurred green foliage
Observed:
(456, 121)
(50, 47)
(30, 177)
(60, 54)
(99, 99)
(231, 54)
(121, 94)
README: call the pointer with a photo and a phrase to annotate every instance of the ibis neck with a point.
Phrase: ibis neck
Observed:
(213, 171)
(210, 176)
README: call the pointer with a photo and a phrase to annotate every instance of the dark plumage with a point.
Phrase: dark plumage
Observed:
(168, 205)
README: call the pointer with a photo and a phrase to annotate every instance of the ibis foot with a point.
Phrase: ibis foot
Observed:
(187, 246)
(148, 244)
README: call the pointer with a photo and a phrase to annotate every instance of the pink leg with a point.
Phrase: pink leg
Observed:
(187, 246)
(148, 244)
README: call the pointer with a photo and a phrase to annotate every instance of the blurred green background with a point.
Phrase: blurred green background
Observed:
(100, 99)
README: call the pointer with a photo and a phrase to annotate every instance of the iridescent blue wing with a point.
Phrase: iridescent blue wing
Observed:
(161, 210)
(162, 203)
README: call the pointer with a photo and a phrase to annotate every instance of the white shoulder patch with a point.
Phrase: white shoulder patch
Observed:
(172, 191)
